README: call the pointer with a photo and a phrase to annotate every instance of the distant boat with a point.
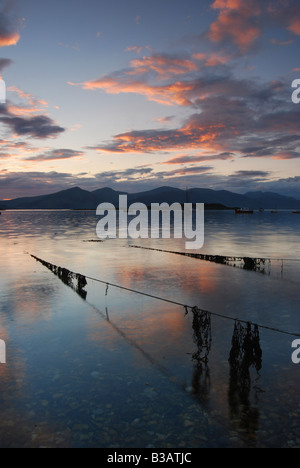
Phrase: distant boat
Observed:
(243, 211)
(275, 212)
(296, 212)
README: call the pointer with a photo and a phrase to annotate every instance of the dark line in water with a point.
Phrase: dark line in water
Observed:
(249, 263)
(65, 274)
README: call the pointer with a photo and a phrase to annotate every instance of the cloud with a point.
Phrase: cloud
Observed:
(285, 13)
(190, 91)
(4, 63)
(126, 174)
(20, 184)
(237, 22)
(294, 26)
(9, 24)
(135, 48)
(13, 148)
(144, 74)
(284, 147)
(200, 158)
(27, 117)
(191, 135)
(231, 115)
(56, 155)
(169, 94)
(212, 59)
(164, 65)
(39, 126)
(258, 175)
(166, 119)
(240, 23)
(28, 104)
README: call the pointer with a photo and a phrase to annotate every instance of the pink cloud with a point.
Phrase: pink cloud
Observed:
(212, 60)
(137, 49)
(163, 65)
(9, 40)
(30, 104)
(237, 22)
(294, 27)
(192, 135)
(175, 93)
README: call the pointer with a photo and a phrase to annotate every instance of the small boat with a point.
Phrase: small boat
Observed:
(243, 211)
(296, 212)
(275, 212)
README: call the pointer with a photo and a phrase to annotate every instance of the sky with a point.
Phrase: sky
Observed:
(138, 94)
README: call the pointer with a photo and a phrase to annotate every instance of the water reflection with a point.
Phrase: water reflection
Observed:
(245, 354)
(201, 382)
(114, 384)
(245, 357)
(76, 281)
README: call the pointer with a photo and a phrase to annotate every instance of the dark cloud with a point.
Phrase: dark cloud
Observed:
(39, 126)
(251, 174)
(56, 154)
(200, 158)
(4, 62)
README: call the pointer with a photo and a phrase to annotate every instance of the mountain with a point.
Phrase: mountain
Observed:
(273, 200)
(77, 198)
(107, 195)
(66, 199)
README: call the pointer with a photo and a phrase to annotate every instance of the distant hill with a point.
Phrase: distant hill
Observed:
(77, 198)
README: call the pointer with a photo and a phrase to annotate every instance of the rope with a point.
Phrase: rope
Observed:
(228, 258)
(169, 301)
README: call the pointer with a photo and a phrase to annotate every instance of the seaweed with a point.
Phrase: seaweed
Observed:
(202, 335)
(75, 281)
(247, 263)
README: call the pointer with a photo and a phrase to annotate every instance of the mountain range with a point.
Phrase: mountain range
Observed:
(77, 198)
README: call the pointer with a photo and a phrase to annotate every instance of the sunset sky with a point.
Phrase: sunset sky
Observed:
(137, 94)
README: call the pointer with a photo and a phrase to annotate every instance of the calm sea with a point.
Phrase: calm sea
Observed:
(120, 369)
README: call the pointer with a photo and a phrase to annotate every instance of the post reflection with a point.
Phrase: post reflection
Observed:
(245, 354)
(245, 363)
(202, 336)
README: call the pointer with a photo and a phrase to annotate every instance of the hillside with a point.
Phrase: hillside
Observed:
(77, 198)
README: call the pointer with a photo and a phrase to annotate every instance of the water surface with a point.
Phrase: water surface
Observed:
(125, 370)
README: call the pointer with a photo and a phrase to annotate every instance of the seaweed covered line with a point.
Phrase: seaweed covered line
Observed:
(68, 277)
(75, 280)
(202, 335)
(247, 263)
